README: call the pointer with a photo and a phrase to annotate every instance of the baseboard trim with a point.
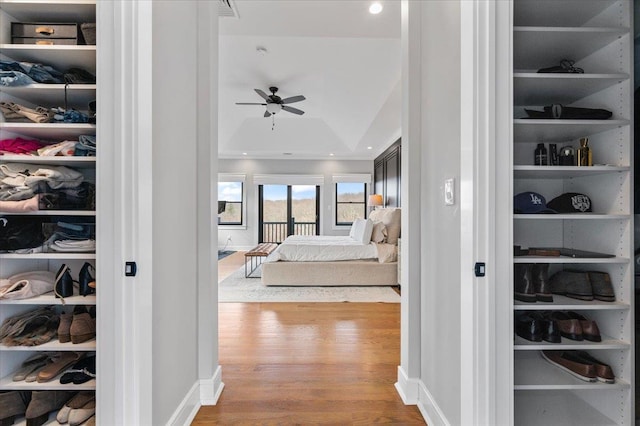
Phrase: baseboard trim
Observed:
(188, 408)
(210, 389)
(430, 409)
(407, 388)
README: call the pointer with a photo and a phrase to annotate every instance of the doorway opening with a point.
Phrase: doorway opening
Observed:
(285, 210)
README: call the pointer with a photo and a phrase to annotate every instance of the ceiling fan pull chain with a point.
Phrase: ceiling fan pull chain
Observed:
(273, 121)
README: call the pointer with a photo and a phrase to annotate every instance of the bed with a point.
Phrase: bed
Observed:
(367, 257)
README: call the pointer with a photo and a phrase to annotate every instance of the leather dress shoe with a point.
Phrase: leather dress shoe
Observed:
(528, 327)
(540, 274)
(523, 288)
(590, 330)
(604, 373)
(601, 286)
(568, 327)
(572, 364)
(550, 330)
(574, 284)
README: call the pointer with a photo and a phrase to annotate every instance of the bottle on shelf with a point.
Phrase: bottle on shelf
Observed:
(584, 157)
(540, 155)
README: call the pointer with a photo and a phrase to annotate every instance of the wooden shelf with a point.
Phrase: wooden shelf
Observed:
(541, 47)
(532, 372)
(571, 216)
(50, 299)
(527, 130)
(55, 346)
(7, 383)
(76, 162)
(60, 57)
(50, 131)
(521, 344)
(544, 89)
(564, 303)
(563, 172)
(574, 13)
(52, 95)
(49, 256)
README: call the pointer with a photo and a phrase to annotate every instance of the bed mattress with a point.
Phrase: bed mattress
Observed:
(322, 248)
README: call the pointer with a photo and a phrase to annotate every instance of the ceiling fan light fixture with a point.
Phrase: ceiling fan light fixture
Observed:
(375, 8)
(274, 108)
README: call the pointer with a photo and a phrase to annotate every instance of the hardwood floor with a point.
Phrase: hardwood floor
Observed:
(309, 364)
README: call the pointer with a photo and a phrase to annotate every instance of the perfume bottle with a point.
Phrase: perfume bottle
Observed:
(540, 155)
(584, 157)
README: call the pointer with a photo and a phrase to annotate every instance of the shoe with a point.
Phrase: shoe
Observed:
(64, 328)
(13, 404)
(604, 373)
(83, 326)
(31, 364)
(574, 284)
(572, 364)
(44, 402)
(540, 274)
(550, 330)
(528, 328)
(85, 278)
(77, 416)
(81, 372)
(61, 361)
(602, 287)
(64, 283)
(78, 401)
(568, 327)
(590, 330)
(523, 288)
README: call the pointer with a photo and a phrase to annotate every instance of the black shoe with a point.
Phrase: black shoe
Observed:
(85, 278)
(540, 274)
(64, 283)
(528, 327)
(523, 288)
(550, 330)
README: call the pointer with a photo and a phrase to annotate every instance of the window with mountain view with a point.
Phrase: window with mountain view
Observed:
(350, 202)
(231, 193)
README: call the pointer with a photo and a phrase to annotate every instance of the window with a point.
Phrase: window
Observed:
(230, 200)
(351, 202)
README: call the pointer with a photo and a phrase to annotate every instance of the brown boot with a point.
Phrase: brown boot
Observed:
(64, 328)
(44, 402)
(13, 404)
(83, 327)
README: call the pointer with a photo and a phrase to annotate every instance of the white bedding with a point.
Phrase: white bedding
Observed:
(322, 248)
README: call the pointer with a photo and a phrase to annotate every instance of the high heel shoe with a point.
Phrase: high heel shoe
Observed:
(85, 279)
(64, 283)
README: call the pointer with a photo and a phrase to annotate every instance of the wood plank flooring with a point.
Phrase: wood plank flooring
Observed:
(308, 364)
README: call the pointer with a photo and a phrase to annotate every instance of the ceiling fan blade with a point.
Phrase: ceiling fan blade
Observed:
(293, 99)
(249, 103)
(292, 109)
(267, 114)
(262, 94)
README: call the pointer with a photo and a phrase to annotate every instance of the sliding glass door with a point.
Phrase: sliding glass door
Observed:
(288, 210)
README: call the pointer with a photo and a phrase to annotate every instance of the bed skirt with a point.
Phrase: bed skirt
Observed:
(347, 272)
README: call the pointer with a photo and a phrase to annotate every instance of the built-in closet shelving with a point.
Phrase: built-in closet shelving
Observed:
(596, 34)
(47, 95)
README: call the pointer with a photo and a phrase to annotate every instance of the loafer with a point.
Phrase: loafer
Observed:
(567, 326)
(601, 286)
(78, 401)
(77, 416)
(550, 330)
(540, 275)
(574, 284)
(528, 327)
(604, 373)
(523, 287)
(572, 364)
(590, 330)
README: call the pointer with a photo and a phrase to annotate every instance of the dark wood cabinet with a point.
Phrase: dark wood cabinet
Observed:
(387, 175)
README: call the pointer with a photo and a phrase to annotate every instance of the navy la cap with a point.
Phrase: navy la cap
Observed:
(530, 202)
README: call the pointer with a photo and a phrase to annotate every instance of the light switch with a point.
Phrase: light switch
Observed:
(449, 191)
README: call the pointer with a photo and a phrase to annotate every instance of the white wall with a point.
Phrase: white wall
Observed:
(244, 239)
(441, 225)
(174, 156)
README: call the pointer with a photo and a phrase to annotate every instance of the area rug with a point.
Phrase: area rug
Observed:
(237, 288)
(224, 253)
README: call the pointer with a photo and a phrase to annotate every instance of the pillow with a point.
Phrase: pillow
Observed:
(391, 219)
(361, 230)
(379, 233)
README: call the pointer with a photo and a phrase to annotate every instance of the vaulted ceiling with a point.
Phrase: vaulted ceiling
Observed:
(344, 60)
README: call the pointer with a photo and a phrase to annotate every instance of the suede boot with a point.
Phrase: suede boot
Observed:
(523, 288)
(44, 402)
(83, 327)
(13, 404)
(64, 328)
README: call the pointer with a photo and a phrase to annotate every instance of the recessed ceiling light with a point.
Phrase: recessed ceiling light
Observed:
(375, 8)
(287, 153)
(369, 147)
(262, 50)
(244, 153)
(331, 154)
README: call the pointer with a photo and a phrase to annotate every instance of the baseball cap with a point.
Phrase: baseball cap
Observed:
(571, 202)
(530, 202)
